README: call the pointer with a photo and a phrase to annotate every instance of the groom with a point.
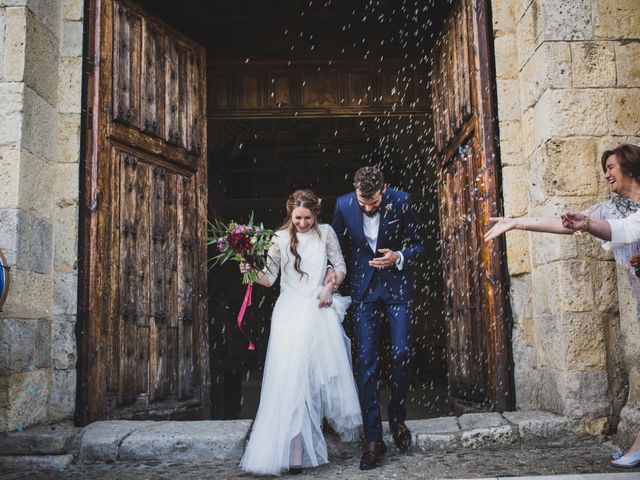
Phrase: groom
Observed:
(378, 229)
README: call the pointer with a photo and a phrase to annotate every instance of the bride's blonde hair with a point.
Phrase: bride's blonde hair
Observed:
(304, 198)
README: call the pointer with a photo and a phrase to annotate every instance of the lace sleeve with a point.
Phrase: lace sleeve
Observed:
(334, 253)
(273, 263)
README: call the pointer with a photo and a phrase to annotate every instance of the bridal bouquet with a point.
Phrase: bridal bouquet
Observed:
(243, 243)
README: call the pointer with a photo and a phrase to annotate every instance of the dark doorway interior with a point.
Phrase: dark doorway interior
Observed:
(301, 94)
(278, 156)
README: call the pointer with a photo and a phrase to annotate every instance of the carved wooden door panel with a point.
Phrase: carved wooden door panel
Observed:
(144, 338)
(462, 95)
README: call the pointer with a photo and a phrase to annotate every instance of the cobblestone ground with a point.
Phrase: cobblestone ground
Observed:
(513, 461)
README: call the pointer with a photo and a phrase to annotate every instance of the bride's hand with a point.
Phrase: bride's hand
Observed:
(325, 296)
(244, 267)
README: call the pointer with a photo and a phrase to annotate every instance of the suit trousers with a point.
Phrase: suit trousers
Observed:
(369, 317)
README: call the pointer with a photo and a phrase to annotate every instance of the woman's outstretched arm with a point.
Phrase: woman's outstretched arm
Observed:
(531, 224)
(598, 227)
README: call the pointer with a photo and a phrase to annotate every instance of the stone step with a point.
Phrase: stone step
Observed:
(42, 440)
(174, 441)
(34, 462)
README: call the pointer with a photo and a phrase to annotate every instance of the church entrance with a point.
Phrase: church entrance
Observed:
(297, 95)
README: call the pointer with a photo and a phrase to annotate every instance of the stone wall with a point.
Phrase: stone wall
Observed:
(40, 94)
(568, 88)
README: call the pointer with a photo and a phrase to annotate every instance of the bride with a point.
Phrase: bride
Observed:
(307, 373)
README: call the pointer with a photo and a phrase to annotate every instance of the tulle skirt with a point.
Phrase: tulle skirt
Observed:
(307, 377)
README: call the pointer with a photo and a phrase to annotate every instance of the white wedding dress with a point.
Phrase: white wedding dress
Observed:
(307, 374)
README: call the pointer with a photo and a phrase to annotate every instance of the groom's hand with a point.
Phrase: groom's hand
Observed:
(388, 259)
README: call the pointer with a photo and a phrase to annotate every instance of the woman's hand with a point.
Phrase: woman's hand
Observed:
(578, 222)
(244, 267)
(502, 226)
(325, 296)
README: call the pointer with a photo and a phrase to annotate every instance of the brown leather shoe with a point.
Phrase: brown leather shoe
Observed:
(371, 455)
(401, 436)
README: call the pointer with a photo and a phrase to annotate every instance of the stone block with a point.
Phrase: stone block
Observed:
(65, 259)
(566, 19)
(10, 175)
(506, 56)
(49, 13)
(573, 286)
(17, 346)
(67, 179)
(527, 138)
(525, 372)
(520, 7)
(515, 184)
(434, 426)
(539, 426)
(100, 440)
(40, 463)
(593, 64)
(518, 257)
(2, 29)
(72, 39)
(42, 440)
(15, 41)
(43, 343)
(35, 243)
(627, 65)
(39, 134)
(586, 394)
(9, 235)
(585, 341)
(508, 100)
(70, 85)
(503, 16)
(41, 59)
(65, 293)
(31, 295)
(511, 144)
(69, 138)
(624, 112)
(11, 95)
(527, 33)
(187, 441)
(551, 342)
(73, 9)
(474, 421)
(520, 294)
(36, 185)
(605, 287)
(480, 430)
(64, 347)
(548, 67)
(564, 113)
(28, 398)
(570, 167)
(62, 401)
(616, 19)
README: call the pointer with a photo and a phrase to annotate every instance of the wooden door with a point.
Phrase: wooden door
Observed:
(144, 341)
(465, 137)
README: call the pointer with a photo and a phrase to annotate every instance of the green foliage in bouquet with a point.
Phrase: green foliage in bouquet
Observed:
(241, 242)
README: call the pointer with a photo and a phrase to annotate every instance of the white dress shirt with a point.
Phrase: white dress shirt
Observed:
(625, 230)
(371, 226)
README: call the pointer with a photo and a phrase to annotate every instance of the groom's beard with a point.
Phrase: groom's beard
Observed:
(372, 212)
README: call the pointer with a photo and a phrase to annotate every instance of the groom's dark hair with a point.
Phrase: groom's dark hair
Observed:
(369, 180)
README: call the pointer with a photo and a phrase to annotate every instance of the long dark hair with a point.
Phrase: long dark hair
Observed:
(304, 198)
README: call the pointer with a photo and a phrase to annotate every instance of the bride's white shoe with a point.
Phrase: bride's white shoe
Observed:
(630, 460)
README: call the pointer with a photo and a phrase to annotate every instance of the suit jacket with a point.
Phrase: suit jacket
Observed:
(399, 231)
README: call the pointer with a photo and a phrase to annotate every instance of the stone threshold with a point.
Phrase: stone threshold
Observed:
(224, 440)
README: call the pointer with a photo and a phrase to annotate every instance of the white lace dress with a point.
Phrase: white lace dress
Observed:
(307, 374)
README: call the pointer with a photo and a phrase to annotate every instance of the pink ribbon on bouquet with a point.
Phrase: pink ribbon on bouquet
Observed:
(246, 303)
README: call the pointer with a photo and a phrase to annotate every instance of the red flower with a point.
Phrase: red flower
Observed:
(240, 242)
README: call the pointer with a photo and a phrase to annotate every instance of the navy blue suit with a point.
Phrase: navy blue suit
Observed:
(376, 293)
